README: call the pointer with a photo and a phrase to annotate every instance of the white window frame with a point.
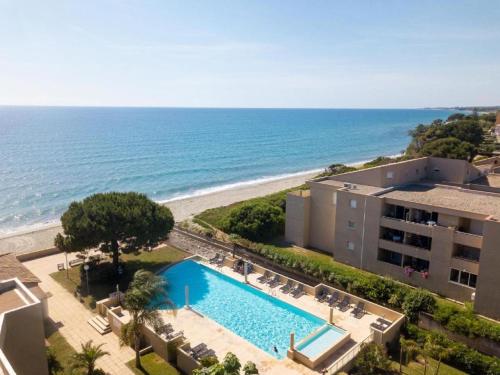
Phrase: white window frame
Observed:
(353, 203)
(389, 174)
(460, 276)
(350, 246)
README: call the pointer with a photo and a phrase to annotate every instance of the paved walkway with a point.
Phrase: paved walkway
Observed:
(70, 316)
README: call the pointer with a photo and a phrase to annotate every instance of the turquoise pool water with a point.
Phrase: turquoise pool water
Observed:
(250, 313)
(320, 341)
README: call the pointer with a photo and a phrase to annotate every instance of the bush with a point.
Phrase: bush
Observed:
(462, 357)
(372, 359)
(418, 300)
(256, 222)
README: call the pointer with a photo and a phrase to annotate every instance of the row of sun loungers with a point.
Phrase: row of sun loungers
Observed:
(343, 304)
(273, 280)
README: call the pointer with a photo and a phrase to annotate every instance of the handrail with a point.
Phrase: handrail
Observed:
(348, 356)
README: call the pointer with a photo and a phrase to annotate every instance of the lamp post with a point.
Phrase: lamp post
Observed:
(86, 268)
(67, 264)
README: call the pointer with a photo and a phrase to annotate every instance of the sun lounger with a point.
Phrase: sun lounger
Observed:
(287, 287)
(249, 268)
(322, 296)
(333, 299)
(221, 261)
(298, 291)
(265, 277)
(205, 353)
(359, 310)
(174, 335)
(60, 266)
(215, 259)
(274, 281)
(198, 349)
(344, 305)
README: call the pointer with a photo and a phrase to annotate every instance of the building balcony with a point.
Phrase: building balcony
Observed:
(406, 226)
(465, 264)
(405, 249)
(468, 239)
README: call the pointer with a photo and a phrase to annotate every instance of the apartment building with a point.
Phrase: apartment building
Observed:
(429, 222)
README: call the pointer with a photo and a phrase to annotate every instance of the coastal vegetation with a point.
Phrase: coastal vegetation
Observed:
(115, 223)
(372, 359)
(461, 136)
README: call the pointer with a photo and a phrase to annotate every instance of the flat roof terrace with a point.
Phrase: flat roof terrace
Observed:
(449, 197)
(9, 300)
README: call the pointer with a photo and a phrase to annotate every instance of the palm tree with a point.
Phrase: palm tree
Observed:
(87, 358)
(409, 348)
(144, 296)
(436, 350)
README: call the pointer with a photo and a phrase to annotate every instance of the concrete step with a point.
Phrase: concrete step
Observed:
(102, 320)
(98, 327)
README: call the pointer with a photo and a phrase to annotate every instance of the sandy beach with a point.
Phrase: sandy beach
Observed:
(181, 208)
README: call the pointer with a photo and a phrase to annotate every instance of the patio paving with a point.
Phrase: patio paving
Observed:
(70, 316)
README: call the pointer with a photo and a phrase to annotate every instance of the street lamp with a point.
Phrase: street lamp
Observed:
(86, 268)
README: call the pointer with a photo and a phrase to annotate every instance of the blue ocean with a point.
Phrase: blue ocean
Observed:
(50, 156)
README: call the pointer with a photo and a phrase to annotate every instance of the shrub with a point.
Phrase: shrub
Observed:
(460, 356)
(418, 300)
(372, 359)
(256, 222)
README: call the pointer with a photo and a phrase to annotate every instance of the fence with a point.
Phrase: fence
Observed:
(348, 356)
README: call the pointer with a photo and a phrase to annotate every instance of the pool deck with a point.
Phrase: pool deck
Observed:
(199, 329)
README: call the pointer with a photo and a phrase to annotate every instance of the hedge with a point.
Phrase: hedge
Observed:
(461, 356)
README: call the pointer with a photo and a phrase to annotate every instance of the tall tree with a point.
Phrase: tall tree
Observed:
(115, 222)
(145, 295)
(436, 350)
(88, 356)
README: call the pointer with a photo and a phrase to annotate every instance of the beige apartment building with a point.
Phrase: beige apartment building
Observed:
(429, 222)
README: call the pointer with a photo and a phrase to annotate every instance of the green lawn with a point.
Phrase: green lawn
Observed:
(100, 286)
(62, 350)
(415, 368)
(153, 365)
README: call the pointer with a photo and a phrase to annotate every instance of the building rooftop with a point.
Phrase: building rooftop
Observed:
(10, 268)
(449, 197)
(355, 188)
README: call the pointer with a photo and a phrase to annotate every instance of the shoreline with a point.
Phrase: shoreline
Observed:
(182, 208)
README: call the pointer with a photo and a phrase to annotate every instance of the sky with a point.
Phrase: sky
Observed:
(325, 54)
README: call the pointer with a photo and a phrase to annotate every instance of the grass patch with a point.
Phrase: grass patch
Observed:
(416, 368)
(99, 288)
(61, 349)
(152, 364)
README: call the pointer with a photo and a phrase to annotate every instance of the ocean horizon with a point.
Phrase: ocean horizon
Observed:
(54, 155)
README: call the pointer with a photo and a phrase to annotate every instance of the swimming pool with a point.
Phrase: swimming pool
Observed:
(321, 341)
(259, 318)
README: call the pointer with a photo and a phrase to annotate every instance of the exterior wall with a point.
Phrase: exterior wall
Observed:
(402, 173)
(452, 170)
(297, 218)
(322, 217)
(487, 299)
(22, 338)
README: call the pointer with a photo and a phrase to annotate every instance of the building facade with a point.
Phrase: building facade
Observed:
(429, 222)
